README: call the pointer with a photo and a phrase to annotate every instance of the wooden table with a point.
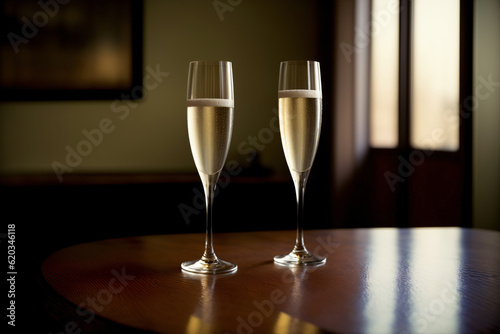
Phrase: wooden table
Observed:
(384, 280)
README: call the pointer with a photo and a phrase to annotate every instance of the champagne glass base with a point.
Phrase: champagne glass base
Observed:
(298, 259)
(209, 267)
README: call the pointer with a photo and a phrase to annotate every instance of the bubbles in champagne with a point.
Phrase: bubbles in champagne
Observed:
(300, 126)
(210, 129)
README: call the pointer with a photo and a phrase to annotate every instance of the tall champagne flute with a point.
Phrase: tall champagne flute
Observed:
(300, 108)
(210, 108)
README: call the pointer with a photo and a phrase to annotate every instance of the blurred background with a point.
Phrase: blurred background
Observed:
(93, 133)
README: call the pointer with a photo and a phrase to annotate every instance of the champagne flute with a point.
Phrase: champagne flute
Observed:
(210, 108)
(300, 108)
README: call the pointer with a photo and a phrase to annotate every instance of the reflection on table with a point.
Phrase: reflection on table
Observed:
(424, 280)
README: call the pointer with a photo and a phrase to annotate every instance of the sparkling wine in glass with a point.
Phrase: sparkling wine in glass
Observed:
(300, 108)
(210, 112)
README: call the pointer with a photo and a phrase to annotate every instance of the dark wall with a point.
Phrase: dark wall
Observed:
(50, 217)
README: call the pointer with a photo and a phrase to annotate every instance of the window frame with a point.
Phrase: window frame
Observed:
(463, 156)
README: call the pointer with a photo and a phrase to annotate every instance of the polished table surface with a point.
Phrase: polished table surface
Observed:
(383, 280)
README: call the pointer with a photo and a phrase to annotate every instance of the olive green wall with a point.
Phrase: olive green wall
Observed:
(151, 136)
(486, 115)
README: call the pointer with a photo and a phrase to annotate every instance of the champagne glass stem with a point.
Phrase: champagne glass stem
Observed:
(209, 262)
(299, 255)
(209, 183)
(300, 180)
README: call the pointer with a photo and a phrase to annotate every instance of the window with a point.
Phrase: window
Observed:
(433, 75)
(384, 74)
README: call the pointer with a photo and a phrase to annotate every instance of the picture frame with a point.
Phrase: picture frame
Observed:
(71, 50)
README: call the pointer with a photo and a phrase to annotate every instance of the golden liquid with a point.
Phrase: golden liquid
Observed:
(300, 127)
(210, 129)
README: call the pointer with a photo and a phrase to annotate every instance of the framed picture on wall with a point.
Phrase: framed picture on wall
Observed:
(70, 50)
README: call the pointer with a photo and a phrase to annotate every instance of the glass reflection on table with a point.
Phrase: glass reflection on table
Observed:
(286, 323)
(201, 321)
